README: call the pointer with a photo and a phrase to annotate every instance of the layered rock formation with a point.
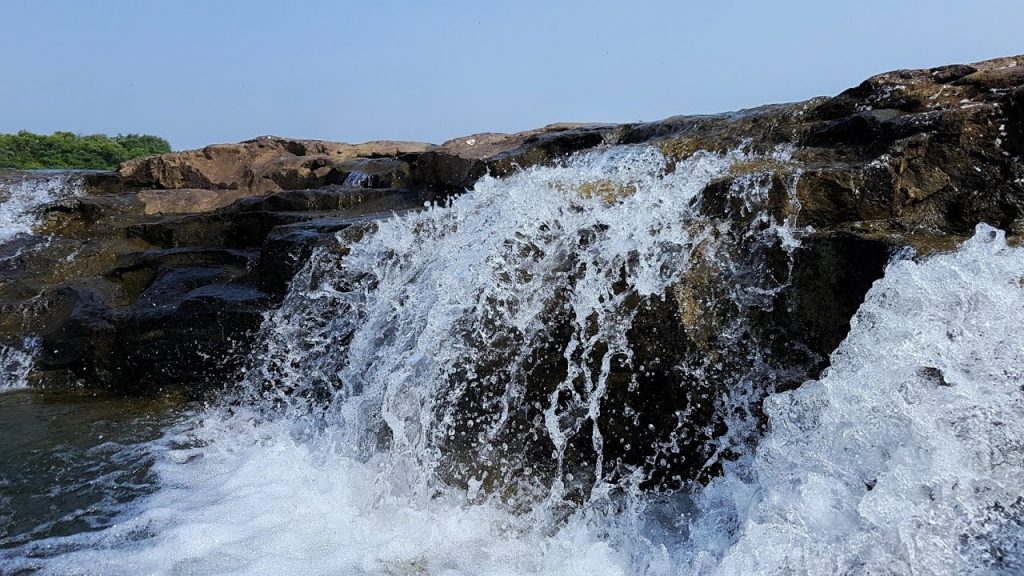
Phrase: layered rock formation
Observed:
(158, 277)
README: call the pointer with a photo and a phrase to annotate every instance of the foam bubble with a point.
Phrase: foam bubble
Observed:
(907, 457)
(15, 364)
(19, 200)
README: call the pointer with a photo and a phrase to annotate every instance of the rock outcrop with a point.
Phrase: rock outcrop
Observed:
(158, 277)
(262, 165)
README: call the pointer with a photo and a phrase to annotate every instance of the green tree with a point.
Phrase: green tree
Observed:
(26, 150)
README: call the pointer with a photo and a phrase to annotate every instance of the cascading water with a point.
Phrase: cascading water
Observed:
(459, 392)
(496, 327)
(357, 179)
(21, 195)
(15, 364)
(907, 457)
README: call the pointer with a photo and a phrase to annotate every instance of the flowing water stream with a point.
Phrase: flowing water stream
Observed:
(22, 193)
(454, 394)
(21, 196)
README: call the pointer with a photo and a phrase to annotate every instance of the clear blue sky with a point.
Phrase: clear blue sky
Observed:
(204, 71)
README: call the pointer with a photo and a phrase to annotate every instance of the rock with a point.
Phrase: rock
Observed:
(138, 302)
(287, 248)
(188, 200)
(100, 182)
(456, 165)
(196, 341)
(831, 273)
(358, 201)
(247, 222)
(266, 164)
(137, 272)
(179, 255)
(80, 335)
(271, 164)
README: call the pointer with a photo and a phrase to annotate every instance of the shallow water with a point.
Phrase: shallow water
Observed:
(69, 461)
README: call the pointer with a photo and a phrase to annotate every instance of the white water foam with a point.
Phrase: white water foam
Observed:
(20, 200)
(357, 179)
(16, 363)
(388, 331)
(905, 458)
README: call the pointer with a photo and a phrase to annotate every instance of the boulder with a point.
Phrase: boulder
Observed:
(287, 248)
(188, 200)
(262, 165)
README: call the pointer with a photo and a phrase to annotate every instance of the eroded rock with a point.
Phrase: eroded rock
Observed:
(262, 165)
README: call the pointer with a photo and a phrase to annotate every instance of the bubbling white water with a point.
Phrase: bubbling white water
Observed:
(391, 331)
(905, 458)
(357, 179)
(20, 200)
(15, 364)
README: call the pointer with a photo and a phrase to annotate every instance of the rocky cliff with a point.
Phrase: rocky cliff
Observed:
(158, 276)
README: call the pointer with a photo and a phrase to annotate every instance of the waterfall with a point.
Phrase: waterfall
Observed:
(357, 179)
(907, 457)
(20, 198)
(500, 385)
(499, 326)
(16, 362)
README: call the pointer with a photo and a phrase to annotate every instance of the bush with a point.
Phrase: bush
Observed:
(67, 150)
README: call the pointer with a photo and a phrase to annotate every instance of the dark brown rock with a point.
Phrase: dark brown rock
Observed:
(287, 248)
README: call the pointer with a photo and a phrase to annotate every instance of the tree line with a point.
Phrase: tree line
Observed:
(26, 150)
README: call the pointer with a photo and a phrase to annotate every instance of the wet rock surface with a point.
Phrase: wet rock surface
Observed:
(158, 276)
